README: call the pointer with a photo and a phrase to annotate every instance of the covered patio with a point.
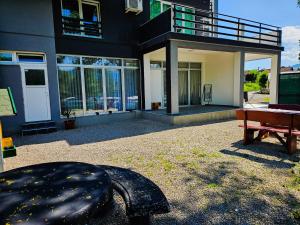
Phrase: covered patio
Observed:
(175, 77)
(192, 114)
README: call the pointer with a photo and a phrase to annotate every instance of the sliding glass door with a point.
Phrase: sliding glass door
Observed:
(131, 77)
(113, 89)
(94, 89)
(195, 87)
(183, 88)
(70, 89)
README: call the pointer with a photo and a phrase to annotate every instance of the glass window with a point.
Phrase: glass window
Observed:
(94, 89)
(195, 66)
(112, 62)
(31, 58)
(70, 8)
(131, 62)
(6, 57)
(155, 8)
(70, 16)
(68, 60)
(183, 87)
(92, 61)
(34, 77)
(191, 17)
(90, 16)
(81, 19)
(155, 64)
(114, 89)
(131, 88)
(70, 89)
(183, 65)
(195, 87)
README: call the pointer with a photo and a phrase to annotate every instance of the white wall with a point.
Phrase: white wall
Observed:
(218, 69)
(220, 73)
(157, 86)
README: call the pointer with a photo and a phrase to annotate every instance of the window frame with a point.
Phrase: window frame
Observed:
(15, 59)
(80, 3)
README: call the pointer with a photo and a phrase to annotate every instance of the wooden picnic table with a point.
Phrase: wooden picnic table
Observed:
(54, 193)
(271, 121)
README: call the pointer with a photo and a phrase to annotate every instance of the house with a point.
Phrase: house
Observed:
(99, 56)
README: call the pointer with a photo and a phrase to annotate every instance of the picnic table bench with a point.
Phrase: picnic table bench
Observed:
(272, 121)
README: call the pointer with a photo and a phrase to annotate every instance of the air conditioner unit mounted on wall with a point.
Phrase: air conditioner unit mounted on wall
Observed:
(134, 6)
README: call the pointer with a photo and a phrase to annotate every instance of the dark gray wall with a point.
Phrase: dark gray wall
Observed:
(10, 77)
(27, 26)
(119, 30)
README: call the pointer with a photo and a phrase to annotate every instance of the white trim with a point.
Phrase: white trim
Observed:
(15, 59)
(23, 67)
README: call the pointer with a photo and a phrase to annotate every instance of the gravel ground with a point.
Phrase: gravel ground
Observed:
(208, 176)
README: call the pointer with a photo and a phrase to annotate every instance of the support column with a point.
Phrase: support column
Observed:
(172, 78)
(147, 82)
(238, 86)
(274, 81)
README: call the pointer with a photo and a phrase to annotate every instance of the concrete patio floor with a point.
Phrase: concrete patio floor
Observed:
(208, 176)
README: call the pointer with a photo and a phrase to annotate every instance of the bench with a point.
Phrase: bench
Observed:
(293, 107)
(142, 197)
(271, 121)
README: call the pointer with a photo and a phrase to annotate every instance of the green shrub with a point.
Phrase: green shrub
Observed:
(251, 87)
(263, 80)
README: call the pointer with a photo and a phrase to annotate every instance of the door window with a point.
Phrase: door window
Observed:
(35, 77)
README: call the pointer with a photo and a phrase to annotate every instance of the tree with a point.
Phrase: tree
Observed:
(299, 3)
(263, 79)
(251, 77)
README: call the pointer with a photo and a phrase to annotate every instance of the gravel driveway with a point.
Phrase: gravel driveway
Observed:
(206, 173)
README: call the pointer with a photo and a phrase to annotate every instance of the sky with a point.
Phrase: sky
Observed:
(283, 13)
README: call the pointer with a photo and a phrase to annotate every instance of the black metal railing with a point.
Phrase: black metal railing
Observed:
(207, 23)
(81, 27)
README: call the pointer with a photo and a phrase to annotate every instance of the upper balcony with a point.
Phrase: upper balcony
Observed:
(187, 23)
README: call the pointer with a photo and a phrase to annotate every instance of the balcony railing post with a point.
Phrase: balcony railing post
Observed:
(259, 33)
(173, 15)
(279, 38)
(239, 32)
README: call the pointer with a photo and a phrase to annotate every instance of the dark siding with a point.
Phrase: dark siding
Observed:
(120, 30)
(31, 29)
(11, 77)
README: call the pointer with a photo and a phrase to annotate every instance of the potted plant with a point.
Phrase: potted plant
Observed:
(70, 119)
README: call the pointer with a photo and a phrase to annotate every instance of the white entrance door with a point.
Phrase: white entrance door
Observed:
(35, 92)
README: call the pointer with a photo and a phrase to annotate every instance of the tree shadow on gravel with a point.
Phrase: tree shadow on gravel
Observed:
(236, 198)
(104, 132)
(94, 134)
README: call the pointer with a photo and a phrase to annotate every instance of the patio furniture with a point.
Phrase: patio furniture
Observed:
(272, 121)
(293, 107)
(54, 193)
(142, 197)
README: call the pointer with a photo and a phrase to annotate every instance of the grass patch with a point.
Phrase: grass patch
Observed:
(213, 185)
(251, 87)
(199, 153)
(194, 165)
(166, 164)
(266, 99)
